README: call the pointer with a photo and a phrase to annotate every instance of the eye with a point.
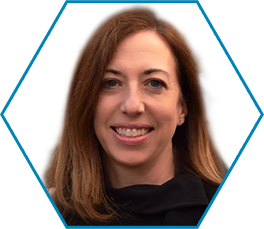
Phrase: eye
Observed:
(156, 84)
(110, 83)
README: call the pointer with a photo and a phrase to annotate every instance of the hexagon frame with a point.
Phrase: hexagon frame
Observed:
(250, 125)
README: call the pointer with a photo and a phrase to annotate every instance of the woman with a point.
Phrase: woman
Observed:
(135, 148)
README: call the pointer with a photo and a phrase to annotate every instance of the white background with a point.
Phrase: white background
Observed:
(43, 93)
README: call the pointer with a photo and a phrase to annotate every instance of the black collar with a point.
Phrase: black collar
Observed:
(184, 190)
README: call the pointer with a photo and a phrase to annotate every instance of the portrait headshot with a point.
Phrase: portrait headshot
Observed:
(131, 114)
(135, 148)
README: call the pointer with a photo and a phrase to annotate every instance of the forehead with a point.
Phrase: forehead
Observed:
(144, 47)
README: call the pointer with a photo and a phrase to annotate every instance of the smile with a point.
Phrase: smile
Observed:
(131, 133)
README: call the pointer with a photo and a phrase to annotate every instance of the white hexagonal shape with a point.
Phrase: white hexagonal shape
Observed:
(35, 110)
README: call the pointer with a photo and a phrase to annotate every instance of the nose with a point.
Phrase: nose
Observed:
(132, 103)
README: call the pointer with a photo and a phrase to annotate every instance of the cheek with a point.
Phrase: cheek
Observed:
(104, 111)
(99, 118)
(169, 117)
(100, 124)
(168, 106)
(102, 108)
(167, 114)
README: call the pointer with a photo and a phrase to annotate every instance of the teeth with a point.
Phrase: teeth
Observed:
(128, 132)
(131, 133)
(134, 133)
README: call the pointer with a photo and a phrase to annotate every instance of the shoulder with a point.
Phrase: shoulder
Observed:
(210, 189)
(199, 187)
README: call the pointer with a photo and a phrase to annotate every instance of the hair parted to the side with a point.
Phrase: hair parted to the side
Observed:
(76, 169)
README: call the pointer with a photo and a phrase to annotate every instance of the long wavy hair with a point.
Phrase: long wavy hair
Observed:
(76, 170)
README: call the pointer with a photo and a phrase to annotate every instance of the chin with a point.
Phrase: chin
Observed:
(129, 159)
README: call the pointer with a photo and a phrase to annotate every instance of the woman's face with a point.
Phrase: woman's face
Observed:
(139, 107)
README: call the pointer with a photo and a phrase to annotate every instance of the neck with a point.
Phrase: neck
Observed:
(153, 172)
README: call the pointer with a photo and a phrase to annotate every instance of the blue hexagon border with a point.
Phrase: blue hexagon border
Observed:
(25, 27)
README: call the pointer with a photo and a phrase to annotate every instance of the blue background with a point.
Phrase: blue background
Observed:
(25, 26)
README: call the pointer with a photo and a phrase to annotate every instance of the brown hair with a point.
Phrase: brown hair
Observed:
(76, 170)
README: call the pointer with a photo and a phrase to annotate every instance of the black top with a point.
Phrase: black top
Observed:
(180, 201)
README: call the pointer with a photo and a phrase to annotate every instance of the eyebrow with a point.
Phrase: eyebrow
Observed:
(146, 72)
(115, 72)
(154, 70)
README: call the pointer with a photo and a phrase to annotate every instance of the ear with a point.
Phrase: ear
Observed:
(183, 113)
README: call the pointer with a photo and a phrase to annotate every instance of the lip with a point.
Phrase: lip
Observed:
(131, 141)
